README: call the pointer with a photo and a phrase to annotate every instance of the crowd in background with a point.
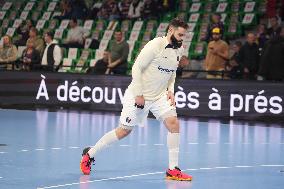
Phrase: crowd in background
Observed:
(260, 56)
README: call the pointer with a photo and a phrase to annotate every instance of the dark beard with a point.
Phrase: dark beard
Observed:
(176, 44)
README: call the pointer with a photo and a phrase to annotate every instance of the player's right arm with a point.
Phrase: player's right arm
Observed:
(144, 58)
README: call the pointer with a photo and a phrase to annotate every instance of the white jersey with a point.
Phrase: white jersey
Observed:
(154, 70)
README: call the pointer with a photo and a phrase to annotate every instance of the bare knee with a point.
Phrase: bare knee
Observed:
(122, 132)
(172, 124)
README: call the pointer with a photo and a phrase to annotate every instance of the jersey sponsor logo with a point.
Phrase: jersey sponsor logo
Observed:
(165, 70)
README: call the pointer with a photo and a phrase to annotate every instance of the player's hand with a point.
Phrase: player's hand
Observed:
(171, 97)
(183, 62)
(139, 102)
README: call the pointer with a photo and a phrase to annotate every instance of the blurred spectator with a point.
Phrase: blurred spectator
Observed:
(96, 7)
(52, 54)
(103, 13)
(217, 55)
(261, 36)
(184, 61)
(95, 44)
(76, 35)
(23, 33)
(66, 10)
(114, 13)
(124, 6)
(168, 5)
(78, 9)
(149, 10)
(119, 49)
(101, 65)
(271, 63)
(275, 29)
(249, 57)
(8, 53)
(135, 9)
(36, 40)
(215, 23)
(30, 57)
(235, 70)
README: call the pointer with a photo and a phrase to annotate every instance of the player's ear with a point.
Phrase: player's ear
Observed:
(171, 30)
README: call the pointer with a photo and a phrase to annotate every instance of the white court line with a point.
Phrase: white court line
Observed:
(272, 165)
(1, 177)
(24, 150)
(222, 167)
(56, 148)
(3, 152)
(99, 180)
(73, 147)
(190, 169)
(125, 145)
(158, 144)
(39, 149)
(205, 168)
(142, 144)
(243, 166)
(145, 174)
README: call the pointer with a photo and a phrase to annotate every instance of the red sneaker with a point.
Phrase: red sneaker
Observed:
(176, 174)
(86, 162)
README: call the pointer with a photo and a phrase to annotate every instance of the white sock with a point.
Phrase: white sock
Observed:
(104, 142)
(173, 146)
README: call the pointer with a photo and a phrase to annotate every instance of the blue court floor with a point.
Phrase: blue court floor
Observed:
(41, 150)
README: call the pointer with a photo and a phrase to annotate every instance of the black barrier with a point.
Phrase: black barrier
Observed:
(203, 98)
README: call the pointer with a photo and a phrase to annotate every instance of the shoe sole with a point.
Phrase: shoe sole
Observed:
(178, 179)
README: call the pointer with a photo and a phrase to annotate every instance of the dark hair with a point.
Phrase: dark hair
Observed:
(177, 22)
(238, 43)
(217, 14)
(118, 31)
(50, 34)
(74, 20)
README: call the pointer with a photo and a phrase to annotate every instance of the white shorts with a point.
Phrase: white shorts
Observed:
(132, 116)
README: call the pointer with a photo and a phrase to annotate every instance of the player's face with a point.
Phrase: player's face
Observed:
(179, 33)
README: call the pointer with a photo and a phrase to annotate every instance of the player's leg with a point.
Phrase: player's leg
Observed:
(166, 113)
(128, 119)
(109, 138)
